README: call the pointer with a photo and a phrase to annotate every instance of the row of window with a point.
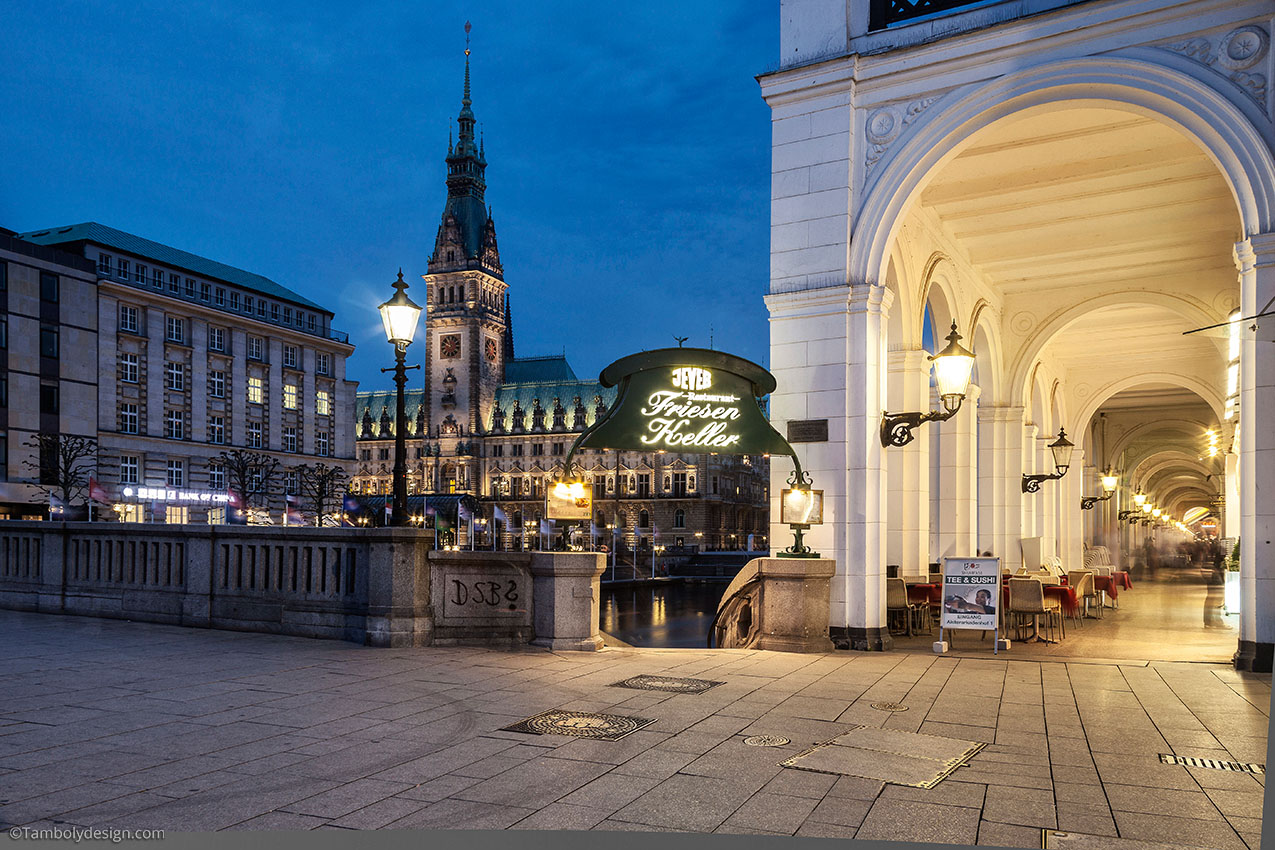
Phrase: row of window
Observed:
(175, 474)
(175, 429)
(175, 331)
(175, 380)
(127, 270)
(537, 449)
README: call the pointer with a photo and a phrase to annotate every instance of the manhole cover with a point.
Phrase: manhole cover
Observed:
(580, 724)
(1215, 764)
(767, 741)
(889, 706)
(671, 684)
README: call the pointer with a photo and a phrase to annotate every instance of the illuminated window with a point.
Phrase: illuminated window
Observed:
(254, 435)
(289, 396)
(177, 514)
(256, 391)
(323, 403)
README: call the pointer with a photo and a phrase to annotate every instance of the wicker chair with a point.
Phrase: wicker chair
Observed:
(1027, 597)
(1082, 581)
(896, 601)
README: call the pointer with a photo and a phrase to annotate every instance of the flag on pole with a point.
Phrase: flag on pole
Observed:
(97, 492)
(292, 510)
(544, 527)
(497, 513)
(463, 512)
(234, 499)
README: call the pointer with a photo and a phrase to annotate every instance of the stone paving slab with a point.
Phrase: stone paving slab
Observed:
(106, 723)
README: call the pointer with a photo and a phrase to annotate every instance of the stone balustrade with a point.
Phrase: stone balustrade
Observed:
(378, 586)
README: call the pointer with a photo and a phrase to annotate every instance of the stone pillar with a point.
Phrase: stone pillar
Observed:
(1231, 497)
(1028, 464)
(1000, 489)
(794, 604)
(1071, 529)
(1255, 259)
(1046, 501)
(828, 354)
(908, 498)
(958, 480)
(566, 599)
(398, 601)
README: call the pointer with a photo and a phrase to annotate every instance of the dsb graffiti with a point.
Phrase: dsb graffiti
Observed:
(490, 593)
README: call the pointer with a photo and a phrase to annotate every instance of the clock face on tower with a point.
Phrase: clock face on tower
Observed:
(449, 346)
(491, 350)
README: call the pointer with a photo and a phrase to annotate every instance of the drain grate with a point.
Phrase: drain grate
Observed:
(889, 706)
(580, 724)
(767, 741)
(1190, 761)
(669, 684)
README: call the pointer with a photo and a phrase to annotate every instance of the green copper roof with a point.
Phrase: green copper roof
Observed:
(91, 231)
(566, 391)
(525, 369)
(369, 407)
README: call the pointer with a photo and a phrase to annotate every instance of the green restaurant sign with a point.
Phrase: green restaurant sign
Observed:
(686, 400)
(692, 400)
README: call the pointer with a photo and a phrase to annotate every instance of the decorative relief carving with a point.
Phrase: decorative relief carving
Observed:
(1237, 51)
(1243, 48)
(1022, 322)
(886, 124)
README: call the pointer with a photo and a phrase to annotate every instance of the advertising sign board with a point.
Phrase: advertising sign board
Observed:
(971, 593)
(570, 500)
(686, 400)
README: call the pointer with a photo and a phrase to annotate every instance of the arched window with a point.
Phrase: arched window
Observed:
(644, 519)
(679, 518)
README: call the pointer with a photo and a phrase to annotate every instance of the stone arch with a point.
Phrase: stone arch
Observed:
(1029, 353)
(1123, 442)
(935, 278)
(984, 340)
(1155, 89)
(1205, 391)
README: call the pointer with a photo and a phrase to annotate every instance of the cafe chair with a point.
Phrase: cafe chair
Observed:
(896, 603)
(1082, 581)
(1027, 598)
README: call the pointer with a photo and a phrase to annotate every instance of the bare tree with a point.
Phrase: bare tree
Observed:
(321, 486)
(63, 463)
(250, 474)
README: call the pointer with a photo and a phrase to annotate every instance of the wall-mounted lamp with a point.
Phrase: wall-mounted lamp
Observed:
(1062, 448)
(1109, 482)
(952, 368)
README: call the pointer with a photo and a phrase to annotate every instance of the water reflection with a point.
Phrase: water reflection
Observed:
(668, 615)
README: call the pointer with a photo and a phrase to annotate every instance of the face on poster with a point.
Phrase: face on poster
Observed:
(971, 592)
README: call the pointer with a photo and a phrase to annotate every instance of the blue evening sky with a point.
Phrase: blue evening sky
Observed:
(627, 148)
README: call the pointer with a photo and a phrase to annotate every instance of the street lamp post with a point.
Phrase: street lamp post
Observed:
(400, 315)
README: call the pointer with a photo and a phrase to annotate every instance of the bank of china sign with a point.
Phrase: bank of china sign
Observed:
(688, 400)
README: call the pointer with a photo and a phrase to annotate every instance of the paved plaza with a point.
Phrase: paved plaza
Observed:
(143, 726)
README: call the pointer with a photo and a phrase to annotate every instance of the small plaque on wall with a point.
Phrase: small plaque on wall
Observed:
(808, 431)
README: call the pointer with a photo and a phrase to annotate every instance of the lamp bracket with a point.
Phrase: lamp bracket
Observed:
(1087, 502)
(896, 428)
(1031, 483)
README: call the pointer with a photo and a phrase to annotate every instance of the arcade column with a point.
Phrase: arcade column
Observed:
(1255, 260)
(828, 355)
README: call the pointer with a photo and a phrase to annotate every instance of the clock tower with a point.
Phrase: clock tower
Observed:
(466, 318)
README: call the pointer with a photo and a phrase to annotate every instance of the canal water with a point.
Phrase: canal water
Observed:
(664, 615)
